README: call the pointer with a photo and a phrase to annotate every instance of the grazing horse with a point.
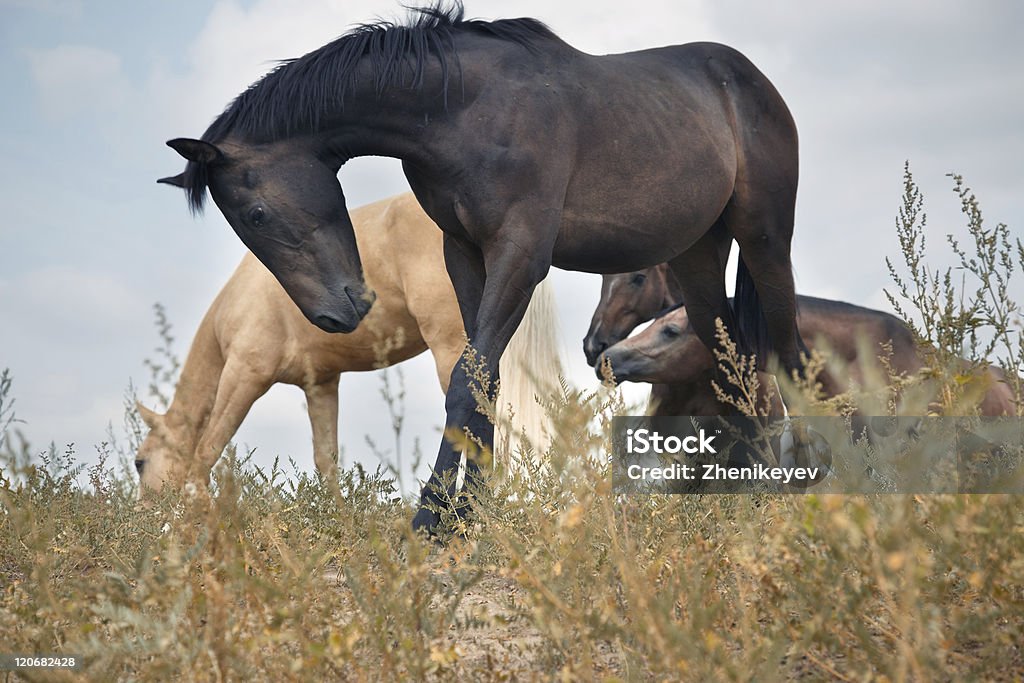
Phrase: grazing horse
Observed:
(528, 154)
(253, 337)
(671, 357)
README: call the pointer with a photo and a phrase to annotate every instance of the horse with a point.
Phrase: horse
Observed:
(628, 300)
(253, 336)
(528, 154)
(671, 357)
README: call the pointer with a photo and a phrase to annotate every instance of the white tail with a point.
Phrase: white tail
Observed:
(530, 367)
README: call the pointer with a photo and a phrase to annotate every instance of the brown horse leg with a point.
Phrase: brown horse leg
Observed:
(700, 271)
(760, 218)
(240, 386)
(701, 274)
(772, 271)
(322, 406)
(446, 354)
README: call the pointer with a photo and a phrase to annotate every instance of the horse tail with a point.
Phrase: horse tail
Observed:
(751, 325)
(529, 365)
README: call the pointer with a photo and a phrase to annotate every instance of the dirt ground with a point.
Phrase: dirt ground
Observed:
(492, 631)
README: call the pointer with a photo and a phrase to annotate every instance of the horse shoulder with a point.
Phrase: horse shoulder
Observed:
(413, 253)
(381, 231)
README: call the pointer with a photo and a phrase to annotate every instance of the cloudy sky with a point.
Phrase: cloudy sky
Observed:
(88, 241)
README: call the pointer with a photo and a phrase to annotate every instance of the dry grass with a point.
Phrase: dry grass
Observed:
(275, 580)
(278, 577)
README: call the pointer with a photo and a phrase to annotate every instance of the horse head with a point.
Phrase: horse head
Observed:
(667, 352)
(162, 456)
(627, 300)
(288, 208)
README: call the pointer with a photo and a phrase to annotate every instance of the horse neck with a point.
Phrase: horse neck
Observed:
(417, 125)
(388, 124)
(196, 391)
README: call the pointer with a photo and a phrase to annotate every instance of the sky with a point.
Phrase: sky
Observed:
(89, 242)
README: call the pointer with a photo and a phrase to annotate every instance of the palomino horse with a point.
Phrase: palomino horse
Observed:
(527, 153)
(253, 336)
(671, 357)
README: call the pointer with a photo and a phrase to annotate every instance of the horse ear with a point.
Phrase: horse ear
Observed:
(148, 416)
(176, 180)
(196, 150)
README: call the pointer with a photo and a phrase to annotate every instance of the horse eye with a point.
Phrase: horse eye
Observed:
(671, 331)
(257, 216)
(638, 279)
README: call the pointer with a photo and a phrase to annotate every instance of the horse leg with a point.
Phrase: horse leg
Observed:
(773, 278)
(441, 326)
(240, 385)
(465, 266)
(322, 406)
(760, 218)
(700, 271)
(493, 300)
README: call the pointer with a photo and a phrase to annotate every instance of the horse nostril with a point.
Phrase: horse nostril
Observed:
(361, 302)
(139, 465)
(593, 350)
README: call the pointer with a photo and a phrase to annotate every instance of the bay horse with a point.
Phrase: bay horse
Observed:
(628, 300)
(253, 337)
(670, 356)
(528, 153)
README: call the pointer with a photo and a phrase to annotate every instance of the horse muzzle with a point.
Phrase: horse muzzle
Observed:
(362, 301)
(593, 349)
(355, 306)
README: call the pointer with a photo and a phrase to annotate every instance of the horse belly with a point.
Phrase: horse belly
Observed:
(593, 243)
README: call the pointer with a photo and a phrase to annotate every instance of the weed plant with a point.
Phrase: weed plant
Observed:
(273, 575)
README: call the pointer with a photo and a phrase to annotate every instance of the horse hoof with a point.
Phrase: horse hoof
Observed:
(426, 520)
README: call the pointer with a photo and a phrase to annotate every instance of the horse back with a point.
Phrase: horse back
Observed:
(845, 326)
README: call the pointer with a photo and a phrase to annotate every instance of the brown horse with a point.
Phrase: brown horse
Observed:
(669, 355)
(528, 153)
(628, 300)
(253, 336)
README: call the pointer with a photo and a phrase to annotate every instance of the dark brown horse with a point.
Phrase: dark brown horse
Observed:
(671, 357)
(627, 300)
(527, 153)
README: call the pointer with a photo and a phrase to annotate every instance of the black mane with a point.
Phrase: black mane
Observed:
(299, 92)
